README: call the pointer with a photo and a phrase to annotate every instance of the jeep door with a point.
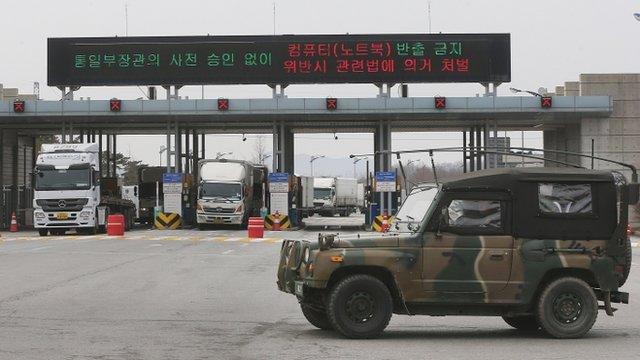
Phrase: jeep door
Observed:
(468, 247)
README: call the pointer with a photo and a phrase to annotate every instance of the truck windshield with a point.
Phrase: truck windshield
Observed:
(63, 179)
(322, 193)
(414, 208)
(227, 191)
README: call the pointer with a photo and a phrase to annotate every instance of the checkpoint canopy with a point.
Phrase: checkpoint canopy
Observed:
(279, 59)
(172, 188)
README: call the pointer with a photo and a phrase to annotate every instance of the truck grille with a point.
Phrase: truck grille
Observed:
(215, 210)
(62, 204)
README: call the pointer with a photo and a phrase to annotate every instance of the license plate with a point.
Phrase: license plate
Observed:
(299, 288)
(218, 221)
(62, 216)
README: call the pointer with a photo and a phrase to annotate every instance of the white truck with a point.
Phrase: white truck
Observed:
(69, 193)
(229, 192)
(335, 196)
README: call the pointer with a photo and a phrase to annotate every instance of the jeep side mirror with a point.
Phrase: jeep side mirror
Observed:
(634, 193)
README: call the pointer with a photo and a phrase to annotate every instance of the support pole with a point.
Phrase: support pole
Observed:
(202, 152)
(100, 152)
(195, 160)
(472, 149)
(464, 150)
(478, 148)
(381, 160)
(187, 147)
(178, 149)
(114, 158)
(108, 155)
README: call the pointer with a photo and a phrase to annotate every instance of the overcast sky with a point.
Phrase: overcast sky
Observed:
(551, 42)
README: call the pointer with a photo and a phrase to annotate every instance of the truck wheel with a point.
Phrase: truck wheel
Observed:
(316, 318)
(524, 323)
(43, 232)
(567, 308)
(360, 307)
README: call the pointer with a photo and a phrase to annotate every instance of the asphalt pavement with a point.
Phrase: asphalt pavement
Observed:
(212, 295)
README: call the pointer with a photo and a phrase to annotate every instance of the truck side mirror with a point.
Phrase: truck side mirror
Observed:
(634, 193)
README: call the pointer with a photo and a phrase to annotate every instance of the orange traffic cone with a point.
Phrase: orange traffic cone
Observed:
(276, 221)
(385, 222)
(14, 223)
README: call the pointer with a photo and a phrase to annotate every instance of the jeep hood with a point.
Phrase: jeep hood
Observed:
(366, 240)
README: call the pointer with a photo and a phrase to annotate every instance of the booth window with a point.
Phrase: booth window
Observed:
(567, 199)
(483, 214)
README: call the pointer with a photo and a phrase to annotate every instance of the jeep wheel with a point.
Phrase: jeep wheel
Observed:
(316, 318)
(360, 307)
(567, 308)
(524, 323)
(627, 262)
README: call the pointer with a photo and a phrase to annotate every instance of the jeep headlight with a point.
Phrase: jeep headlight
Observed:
(306, 255)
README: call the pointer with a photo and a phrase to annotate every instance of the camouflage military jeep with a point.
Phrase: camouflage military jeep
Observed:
(539, 247)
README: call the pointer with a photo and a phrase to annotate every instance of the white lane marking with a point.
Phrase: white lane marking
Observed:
(155, 245)
(232, 239)
(227, 252)
(41, 248)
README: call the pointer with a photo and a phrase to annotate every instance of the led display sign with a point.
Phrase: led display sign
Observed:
(282, 59)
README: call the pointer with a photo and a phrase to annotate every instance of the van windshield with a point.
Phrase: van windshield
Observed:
(226, 191)
(322, 193)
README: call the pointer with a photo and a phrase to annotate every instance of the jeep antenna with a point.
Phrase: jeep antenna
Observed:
(433, 168)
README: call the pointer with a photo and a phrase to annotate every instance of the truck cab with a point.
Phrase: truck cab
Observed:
(229, 191)
(67, 188)
(545, 249)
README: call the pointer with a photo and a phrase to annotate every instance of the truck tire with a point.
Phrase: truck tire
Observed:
(567, 308)
(316, 318)
(360, 307)
(524, 323)
(43, 232)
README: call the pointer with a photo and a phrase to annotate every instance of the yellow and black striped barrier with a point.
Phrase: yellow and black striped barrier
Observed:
(285, 223)
(377, 223)
(168, 221)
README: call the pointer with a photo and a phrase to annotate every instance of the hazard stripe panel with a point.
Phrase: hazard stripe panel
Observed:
(168, 221)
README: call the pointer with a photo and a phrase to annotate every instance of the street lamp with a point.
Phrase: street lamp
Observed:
(515, 91)
(314, 158)
(355, 161)
(220, 154)
(413, 161)
(637, 16)
(163, 148)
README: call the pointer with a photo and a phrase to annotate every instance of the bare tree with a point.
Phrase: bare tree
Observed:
(259, 150)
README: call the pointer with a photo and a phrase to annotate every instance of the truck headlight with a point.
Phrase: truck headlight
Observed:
(199, 207)
(39, 215)
(240, 208)
(86, 213)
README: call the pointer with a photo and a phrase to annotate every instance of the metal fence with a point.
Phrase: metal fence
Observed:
(20, 200)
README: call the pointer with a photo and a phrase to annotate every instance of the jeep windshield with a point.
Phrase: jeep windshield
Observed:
(223, 191)
(73, 178)
(415, 207)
